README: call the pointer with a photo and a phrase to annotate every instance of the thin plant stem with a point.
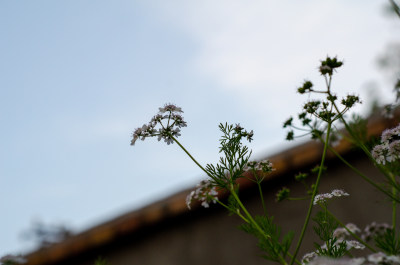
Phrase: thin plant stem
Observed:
(303, 230)
(296, 260)
(262, 198)
(364, 148)
(348, 230)
(187, 152)
(394, 203)
(367, 179)
(250, 218)
(237, 213)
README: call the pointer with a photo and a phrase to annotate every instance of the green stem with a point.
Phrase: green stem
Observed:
(186, 151)
(262, 197)
(348, 230)
(313, 195)
(237, 212)
(394, 203)
(296, 260)
(250, 218)
(370, 181)
(364, 148)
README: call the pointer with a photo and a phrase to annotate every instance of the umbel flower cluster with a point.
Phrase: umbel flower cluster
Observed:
(170, 122)
(389, 149)
(322, 198)
(205, 192)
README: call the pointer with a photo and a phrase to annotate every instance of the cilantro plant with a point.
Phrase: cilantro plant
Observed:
(323, 120)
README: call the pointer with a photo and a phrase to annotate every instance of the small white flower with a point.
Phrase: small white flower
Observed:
(320, 198)
(170, 108)
(376, 257)
(189, 199)
(339, 193)
(308, 257)
(393, 259)
(358, 261)
(354, 244)
(353, 228)
(374, 229)
(338, 261)
(204, 192)
(340, 233)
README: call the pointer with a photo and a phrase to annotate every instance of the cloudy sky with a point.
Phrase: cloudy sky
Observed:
(77, 77)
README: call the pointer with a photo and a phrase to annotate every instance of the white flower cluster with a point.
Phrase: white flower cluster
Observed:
(374, 229)
(264, 166)
(341, 233)
(321, 198)
(12, 259)
(372, 259)
(378, 258)
(382, 258)
(175, 121)
(389, 149)
(314, 258)
(204, 192)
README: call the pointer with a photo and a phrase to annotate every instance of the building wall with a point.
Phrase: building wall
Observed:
(210, 236)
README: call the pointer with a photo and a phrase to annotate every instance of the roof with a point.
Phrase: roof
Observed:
(284, 162)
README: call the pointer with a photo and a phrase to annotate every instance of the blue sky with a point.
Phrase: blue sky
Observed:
(77, 77)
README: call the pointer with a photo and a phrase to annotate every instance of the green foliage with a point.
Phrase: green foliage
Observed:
(332, 248)
(236, 155)
(324, 228)
(395, 7)
(307, 87)
(325, 225)
(282, 194)
(233, 205)
(101, 261)
(288, 122)
(301, 177)
(389, 242)
(315, 169)
(290, 136)
(270, 240)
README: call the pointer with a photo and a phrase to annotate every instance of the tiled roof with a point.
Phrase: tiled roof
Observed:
(175, 205)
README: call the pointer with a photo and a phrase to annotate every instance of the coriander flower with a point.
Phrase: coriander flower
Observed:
(167, 130)
(341, 233)
(204, 192)
(377, 258)
(353, 228)
(338, 261)
(308, 257)
(264, 166)
(374, 229)
(170, 108)
(339, 193)
(322, 198)
(239, 130)
(354, 244)
(389, 149)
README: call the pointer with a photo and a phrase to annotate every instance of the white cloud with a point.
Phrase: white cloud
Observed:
(261, 49)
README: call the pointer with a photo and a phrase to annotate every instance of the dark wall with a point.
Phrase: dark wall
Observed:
(210, 236)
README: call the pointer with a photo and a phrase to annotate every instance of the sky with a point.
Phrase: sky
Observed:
(77, 77)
